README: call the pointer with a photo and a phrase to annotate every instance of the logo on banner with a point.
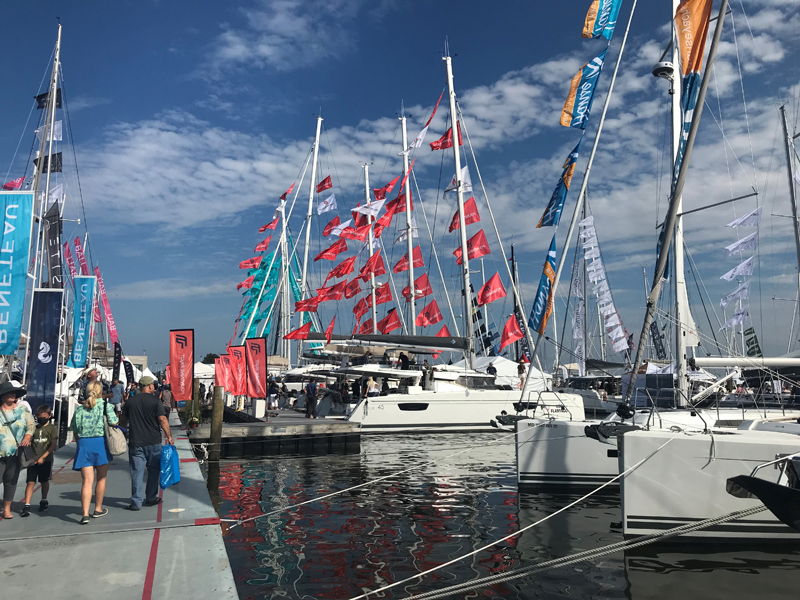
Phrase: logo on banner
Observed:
(181, 340)
(44, 353)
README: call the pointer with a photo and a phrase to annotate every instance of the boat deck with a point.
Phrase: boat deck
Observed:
(173, 550)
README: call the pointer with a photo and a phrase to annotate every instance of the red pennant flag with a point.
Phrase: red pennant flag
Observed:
(382, 223)
(301, 333)
(330, 226)
(307, 305)
(398, 205)
(287, 192)
(434, 109)
(366, 327)
(491, 290)
(402, 264)
(403, 183)
(333, 292)
(251, 263)
(446, 141)
(380, 193)
(443, 332)
(263, 245)
(477, 246)
(511, 332)
(331, 253)
(390, 322)
(361, 308)
(422, 288)
(325, 184)
(247, 283)
(352, 289)
(271, 225)
(15, 184)
(359, 233)
(373, 266)
(344, 268)
(355, 328)
(470, 215)
(329, 330)
(430, 315)
(383, 294)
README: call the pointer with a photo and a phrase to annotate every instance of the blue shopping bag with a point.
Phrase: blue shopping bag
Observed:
(170, 467)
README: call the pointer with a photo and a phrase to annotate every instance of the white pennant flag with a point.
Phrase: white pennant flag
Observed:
(337, 231)
(376, 245)
(279, 210)
(747, 243)
(371, 210)
(327, 205)
(417, 141)
(56, 195)
(741, 292)
(751, 219)
(466, 182)
(414, 233)
(739, 317)
(576, 291)
(744, 268)
(56, 132)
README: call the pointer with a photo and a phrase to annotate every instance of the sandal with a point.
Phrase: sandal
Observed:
(8, 516)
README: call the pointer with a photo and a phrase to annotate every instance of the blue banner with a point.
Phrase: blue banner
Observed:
(601, 19)
(543, 303)
(552, 214)
(43, 360)
(15, 240)
(82, 321)
(581, 93)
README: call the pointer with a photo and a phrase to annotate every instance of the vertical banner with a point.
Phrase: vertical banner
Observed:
(227, 380)
(43, 359)
(15, 239)
(73, 272)
(256, 355)
(238, 370)
(117, 361)
(130, 377)
(181, 362)
(81, 256)
(81, 321)
(52, 246)
(219, 377)
(112, 328)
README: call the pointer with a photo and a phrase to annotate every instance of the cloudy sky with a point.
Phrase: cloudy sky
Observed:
(190, 119)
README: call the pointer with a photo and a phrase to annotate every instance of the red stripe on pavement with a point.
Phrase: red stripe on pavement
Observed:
(149, 578)
(208, 521)
(188, 460)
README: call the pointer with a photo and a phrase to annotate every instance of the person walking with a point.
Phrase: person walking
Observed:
(16, 429)
(44, 444)
(117, 393)
(311, 400)
(147, 418)
(166, 398)
(92, 454)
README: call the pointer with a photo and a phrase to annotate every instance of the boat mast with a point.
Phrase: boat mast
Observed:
(788, 144)
(517, 355)
(468, 331)
(371, 252)
(409, 232)
(286, 312)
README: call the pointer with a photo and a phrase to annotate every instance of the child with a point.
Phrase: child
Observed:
(44, 443)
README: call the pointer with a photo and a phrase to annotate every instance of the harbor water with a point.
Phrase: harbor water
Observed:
(450, 495)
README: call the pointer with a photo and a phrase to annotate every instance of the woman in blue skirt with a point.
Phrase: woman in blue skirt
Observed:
(92, 453)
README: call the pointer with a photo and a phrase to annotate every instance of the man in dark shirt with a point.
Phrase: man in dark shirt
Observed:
(311, 400)
(492, 370)
(403, 361)
(147, 418)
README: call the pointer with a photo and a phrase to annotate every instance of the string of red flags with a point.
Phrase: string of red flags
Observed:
(329, 330)
(366, 327)
(470, 215)
(383, 294)
(417, 141)
(287, 192)
(344, 268)
(382, 224)
(446, 141)
(477, 246)
(358, 234)
(405, 179)
(491, 290)
(261, 247)
(398, 205)
(511, 332)
(390, 322)
(246, 284)
(373, 266)
(380, 193)
(352, 289)
(333, 292)
(327, 205)
(335, 222)
(422, 288)
(361, 308)
(301, 333)
(402, 264)
(331, 253)
(15, 184)
(430, 315)
(307, 305)
(271, 225)
(325, 184)
(251, 263)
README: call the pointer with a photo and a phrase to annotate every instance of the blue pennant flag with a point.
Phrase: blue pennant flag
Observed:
(581, 93)
(552, 214)
(543, 303)
(601, 19)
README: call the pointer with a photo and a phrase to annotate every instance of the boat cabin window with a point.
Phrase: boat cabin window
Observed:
(477, 383)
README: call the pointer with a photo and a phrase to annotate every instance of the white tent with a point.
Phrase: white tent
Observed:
(203, 372)
(507, 372)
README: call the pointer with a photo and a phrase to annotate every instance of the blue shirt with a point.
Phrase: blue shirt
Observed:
(117, 390)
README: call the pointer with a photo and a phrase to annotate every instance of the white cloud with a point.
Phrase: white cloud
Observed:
(172, 289)
(84, 102)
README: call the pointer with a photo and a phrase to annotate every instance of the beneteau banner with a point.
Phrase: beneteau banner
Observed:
(43, 359)
(256, 356)
(81, 321)
(15, 241)
(181, 362)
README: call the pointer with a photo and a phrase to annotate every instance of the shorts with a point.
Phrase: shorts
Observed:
(91, 452)
(41, 473)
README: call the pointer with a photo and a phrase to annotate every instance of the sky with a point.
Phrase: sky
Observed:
(188, 120)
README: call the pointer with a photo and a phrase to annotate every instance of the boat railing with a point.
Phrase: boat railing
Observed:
(781, 463)
(543, 403)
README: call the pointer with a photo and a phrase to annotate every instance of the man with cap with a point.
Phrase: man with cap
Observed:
(147, 418)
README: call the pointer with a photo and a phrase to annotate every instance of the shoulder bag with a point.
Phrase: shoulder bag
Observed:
(114, 437)
(25, 453)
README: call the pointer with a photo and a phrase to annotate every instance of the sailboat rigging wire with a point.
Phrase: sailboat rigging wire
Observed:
(744, 99)
(517, 533)
(389, 272)
(697, 280)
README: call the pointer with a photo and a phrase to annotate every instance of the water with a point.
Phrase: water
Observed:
(377, 535)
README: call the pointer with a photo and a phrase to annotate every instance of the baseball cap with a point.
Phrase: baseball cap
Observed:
(146, 380)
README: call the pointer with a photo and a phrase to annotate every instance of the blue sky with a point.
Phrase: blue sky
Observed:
(190, 119)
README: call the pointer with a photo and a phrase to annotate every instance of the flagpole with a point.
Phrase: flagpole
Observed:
(669, 222)
(409, 232)
(788, 143)
(468, 330)
(371, 251)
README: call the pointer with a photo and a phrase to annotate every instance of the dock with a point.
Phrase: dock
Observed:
(172, 550)
(287, 433)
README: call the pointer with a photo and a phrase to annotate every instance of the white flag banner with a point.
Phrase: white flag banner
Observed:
(279, 210)
(751, 219)
(337, 231)
(417, 141)
(327, 205)
(414, 231)
(56, 132)
(739, 317)
(743, 245)
(371, 210)
(466, 182)
(376, 244)
(56, 194)
(744, 268)
(576, 290)
(620, 345)
(741, 292)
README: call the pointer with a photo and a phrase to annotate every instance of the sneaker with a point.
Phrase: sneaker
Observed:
(152, 502)
(84, 520)
(43, 505)
(26, 511)
(133, 507)
(99, 513)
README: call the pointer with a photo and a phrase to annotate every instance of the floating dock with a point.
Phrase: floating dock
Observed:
(172, 550)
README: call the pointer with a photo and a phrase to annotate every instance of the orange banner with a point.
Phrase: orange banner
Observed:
(181, 362)
(256, 354)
